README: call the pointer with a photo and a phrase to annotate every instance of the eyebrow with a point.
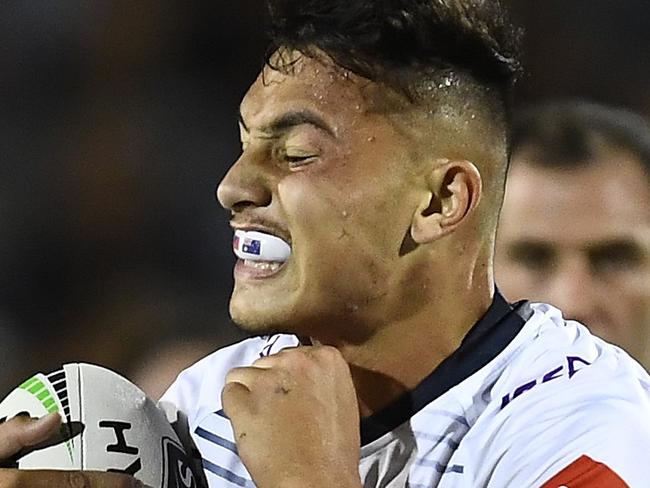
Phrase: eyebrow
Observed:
(628, 244)
(292, 119)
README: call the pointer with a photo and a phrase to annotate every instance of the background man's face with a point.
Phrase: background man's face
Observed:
(323, 169)
(580, 239)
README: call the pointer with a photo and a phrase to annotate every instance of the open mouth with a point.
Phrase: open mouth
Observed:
(260, 254)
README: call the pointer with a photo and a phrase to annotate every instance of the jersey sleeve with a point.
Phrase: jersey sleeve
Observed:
(584, 472)
(584, 439)
(197, 390)
(184, 392)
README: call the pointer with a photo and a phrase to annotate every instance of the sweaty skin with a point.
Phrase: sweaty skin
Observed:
(390, 210)
(391, 259)
(580, 239)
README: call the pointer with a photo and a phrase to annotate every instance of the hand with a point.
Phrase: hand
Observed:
(21, 432)
(296, 419)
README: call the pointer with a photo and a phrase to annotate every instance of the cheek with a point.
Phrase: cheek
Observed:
(633, 293)
(341, 210)
(347, 236)
(632, 285)
(310, 208)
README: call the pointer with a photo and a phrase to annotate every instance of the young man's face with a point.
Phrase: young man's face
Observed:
(580, 239)
(325, 169)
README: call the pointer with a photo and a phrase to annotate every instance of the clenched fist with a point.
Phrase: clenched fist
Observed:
(296, 419)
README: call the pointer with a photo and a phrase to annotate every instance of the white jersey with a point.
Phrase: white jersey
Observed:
(528, 400)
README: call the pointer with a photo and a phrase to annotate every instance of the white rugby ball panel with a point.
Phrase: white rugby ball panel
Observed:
(39, 395)
(109, 425)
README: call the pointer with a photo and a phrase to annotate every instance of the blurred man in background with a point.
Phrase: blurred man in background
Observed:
(575, 225)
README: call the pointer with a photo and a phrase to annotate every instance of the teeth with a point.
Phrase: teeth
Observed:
(262, 265)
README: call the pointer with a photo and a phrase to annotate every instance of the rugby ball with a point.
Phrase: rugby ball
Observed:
(109, 424)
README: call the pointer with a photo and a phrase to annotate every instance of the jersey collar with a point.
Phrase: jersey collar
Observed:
(485, 340)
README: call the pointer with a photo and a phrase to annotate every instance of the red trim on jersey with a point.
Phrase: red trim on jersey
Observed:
(584, 472)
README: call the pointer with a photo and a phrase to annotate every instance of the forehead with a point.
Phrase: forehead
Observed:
(605, 199)
(307, 82)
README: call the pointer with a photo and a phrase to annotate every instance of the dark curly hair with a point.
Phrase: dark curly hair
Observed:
(383, 39)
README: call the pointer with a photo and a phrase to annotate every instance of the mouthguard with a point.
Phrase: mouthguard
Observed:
(259, 246)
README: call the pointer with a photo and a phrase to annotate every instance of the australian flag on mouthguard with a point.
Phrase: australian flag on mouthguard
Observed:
(251, 246)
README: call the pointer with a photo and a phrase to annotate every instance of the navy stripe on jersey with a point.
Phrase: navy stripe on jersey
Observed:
(489, 336)
(438, 439)
(215, 439)
(459, 419)
(227, 475)
(439, 467)
(221, 413)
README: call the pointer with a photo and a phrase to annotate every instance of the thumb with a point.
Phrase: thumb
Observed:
(23, 431)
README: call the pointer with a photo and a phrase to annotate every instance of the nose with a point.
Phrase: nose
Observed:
(575, 291)
(245, 185)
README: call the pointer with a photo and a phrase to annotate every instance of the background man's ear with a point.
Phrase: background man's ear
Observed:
(454, 191)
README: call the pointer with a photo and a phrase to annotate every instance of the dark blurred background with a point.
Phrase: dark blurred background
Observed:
(117, 120)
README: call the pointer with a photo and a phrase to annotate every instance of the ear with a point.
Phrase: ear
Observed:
(454, 191)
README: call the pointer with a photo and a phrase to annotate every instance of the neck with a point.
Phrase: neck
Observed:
(402, 353)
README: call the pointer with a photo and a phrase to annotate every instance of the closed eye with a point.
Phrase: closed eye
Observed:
(295, 161)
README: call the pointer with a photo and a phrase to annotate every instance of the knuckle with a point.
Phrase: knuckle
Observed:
(299, 355)
(243, 375)
(268, 361)
(328, 355)
(230, 395)
(231, 375)
(227, 393)
(329, 352)
(228, 389)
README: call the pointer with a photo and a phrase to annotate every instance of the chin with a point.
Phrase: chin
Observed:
(256, 317)
(251, 323)
(264, 316)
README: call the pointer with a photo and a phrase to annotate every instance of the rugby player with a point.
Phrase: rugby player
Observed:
(582, 243)
(365, 205)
